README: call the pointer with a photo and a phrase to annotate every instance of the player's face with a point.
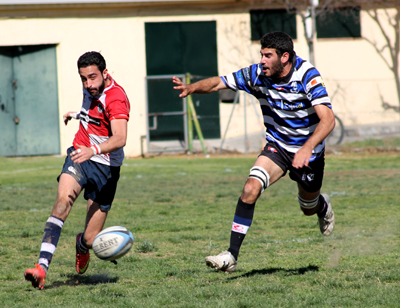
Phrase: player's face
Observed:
(92, 79)
(271, 63)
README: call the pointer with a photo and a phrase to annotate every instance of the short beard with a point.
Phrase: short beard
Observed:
(101, 89)
(277, 70)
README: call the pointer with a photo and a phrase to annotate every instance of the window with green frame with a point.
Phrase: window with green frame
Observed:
(343, 22)
(264, 21)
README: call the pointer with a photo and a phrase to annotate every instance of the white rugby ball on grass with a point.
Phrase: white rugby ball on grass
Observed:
(112, 243)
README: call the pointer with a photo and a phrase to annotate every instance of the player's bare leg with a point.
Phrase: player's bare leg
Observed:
(264, 173)
(95, 219)
(68, 191)
(253, 188)
(311, 203)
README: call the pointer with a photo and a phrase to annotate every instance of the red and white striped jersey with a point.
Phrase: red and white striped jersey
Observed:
(95, 120)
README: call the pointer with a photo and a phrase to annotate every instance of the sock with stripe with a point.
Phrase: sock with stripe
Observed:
(52, 232)
(241, 224)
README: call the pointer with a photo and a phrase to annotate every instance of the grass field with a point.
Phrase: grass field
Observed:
(180, 210)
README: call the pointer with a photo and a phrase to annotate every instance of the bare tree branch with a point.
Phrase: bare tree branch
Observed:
(393, 52)
(380, 12)
(379, 51)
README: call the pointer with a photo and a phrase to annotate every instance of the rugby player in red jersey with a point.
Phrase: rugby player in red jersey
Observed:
(92, 163)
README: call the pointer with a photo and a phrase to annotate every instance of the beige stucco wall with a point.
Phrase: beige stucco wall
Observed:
(124, 54)
(351, 68)
(356, 76)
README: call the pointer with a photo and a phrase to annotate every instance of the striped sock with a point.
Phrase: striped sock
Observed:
(51, 236)
(241, 224)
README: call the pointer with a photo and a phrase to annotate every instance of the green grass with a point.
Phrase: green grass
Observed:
(180, 210)
(371, 145)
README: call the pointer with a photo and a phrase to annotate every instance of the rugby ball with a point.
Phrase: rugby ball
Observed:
(112, 243)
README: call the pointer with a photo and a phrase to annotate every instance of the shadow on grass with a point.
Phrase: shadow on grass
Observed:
(73, 280)
(287, 272)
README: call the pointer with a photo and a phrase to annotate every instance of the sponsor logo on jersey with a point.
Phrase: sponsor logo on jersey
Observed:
(294, 106)
(100, 108)
(313, 82)
(280, 88)
(88, 119)
(294, 87)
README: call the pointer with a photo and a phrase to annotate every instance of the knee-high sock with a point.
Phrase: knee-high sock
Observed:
(51, 236)
(241, 223)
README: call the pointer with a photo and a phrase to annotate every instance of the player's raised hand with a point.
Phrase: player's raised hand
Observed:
(69, 115)
(81, 154)
(67, 118)
(181, 86)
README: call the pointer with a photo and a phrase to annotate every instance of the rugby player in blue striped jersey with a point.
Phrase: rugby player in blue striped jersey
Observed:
(298, 117)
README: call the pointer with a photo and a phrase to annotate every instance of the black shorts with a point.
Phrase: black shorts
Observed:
(98, 180)
(310, 177)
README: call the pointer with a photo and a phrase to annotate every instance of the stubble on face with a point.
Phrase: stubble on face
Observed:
(276, 69)
(92, 80)
(97, 91)
(271, 63)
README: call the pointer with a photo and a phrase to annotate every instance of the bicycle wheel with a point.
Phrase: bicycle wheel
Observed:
(336, 136)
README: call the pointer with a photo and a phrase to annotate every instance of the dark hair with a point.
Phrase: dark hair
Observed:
(280, 41)
(92, 58)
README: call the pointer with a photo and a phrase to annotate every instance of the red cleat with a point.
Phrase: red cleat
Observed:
(82, 260)
(36, 276)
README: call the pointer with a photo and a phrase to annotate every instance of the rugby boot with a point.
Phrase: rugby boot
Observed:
(36, 276)
(327, 223)
(82, 259)
(224, 262)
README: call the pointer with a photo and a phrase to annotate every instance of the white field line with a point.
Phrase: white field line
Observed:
(27, 170)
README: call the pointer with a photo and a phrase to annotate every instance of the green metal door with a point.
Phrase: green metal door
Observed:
(34, 100)
(179, 48)
(7, 111)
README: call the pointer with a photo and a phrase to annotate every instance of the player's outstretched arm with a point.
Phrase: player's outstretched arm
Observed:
(204, 86)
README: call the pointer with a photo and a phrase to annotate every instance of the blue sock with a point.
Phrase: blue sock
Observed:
(51, 236)
(241, 224)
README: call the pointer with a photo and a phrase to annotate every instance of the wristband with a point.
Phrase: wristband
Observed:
(97, 148)
(94, 150)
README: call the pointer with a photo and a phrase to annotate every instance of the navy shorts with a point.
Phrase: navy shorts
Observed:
(99, 181)
(310, 177)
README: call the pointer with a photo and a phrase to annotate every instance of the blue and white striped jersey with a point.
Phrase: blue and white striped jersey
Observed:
(288, 104)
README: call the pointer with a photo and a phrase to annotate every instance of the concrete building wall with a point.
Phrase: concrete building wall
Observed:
(356, 76)
(354, 73)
